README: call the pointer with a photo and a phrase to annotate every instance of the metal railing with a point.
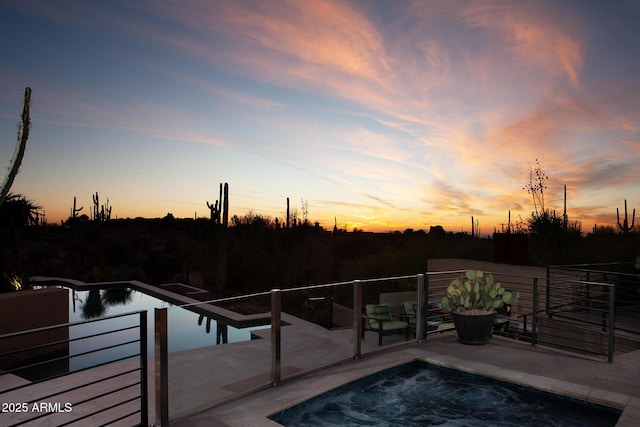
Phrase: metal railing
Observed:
(564, 312)
(290, 347)
(622, 316)
(67, 383)
(290, 351)
(624, 277)
(560, 310)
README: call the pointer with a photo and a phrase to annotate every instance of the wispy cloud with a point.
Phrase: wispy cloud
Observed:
(287, 41)
(73, 108)
(634, 145)
(427, 106)
(533, 37)
(236, 97)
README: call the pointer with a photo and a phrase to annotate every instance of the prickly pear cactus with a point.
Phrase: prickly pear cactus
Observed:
(475, 291)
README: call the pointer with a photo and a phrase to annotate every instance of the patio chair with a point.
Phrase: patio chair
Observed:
(435, 316)
(379, 319)
(501, 323)
(409, 312)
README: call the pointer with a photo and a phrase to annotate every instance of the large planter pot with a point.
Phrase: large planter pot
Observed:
(473, 329)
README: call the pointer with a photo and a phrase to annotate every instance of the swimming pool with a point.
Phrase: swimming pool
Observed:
(421, 394)
(186, 329)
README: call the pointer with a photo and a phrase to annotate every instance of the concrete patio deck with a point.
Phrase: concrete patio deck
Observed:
(198, 378)
(614, 384)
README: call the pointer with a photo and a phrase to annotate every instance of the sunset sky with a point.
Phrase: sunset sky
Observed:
(382, 115)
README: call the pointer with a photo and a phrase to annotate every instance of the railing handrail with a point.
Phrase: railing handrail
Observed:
(588, 282)
(134, 283)
(585, 268)
(297, 289)
(225, 299)
(590, 263)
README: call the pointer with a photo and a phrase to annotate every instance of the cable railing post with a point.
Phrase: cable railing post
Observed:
(612, 326)
(534, 315)
(276, 307)
(144, 385)
(357, 319)
(329, 301)
(547, 293)
(420, 320)
(161, 367)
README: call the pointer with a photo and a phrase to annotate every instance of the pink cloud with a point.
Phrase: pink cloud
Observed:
(541, 40)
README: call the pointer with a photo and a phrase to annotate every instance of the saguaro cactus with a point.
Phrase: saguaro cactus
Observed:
(74, 211)
(288, 213)
(21, 144)
(225, 206)
(96, 206)
(213, 211)
(564, 215)
(221, 278)
(100, 213)
(106, 211)
(625, 227)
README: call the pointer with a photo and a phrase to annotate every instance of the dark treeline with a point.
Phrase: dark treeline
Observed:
(261, 256)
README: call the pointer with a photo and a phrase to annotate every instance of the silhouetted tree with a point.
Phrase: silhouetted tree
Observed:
(536, 186)
(93, 306)
(548, 229)
(18, 212)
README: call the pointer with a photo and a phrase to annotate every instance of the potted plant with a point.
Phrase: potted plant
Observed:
(472, 300)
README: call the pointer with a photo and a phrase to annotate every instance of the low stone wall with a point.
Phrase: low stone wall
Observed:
(31, 309)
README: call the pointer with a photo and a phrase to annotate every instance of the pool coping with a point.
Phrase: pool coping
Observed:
(538, 382)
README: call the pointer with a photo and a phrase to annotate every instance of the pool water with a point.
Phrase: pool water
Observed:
(422, 394)
(186, 329)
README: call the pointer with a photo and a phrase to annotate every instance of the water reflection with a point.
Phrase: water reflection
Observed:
(113, 297)
(187, 329)
(93, 306)
(222, 329)
(97, 300)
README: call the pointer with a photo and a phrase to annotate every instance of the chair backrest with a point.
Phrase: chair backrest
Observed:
(409, 307)
(378, 312)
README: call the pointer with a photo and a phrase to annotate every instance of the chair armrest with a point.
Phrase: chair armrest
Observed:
(405, 317)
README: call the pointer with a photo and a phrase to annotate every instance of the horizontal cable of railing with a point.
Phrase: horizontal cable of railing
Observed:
(71, 324)
(580, 307)
(113, 383)
(70, 340)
